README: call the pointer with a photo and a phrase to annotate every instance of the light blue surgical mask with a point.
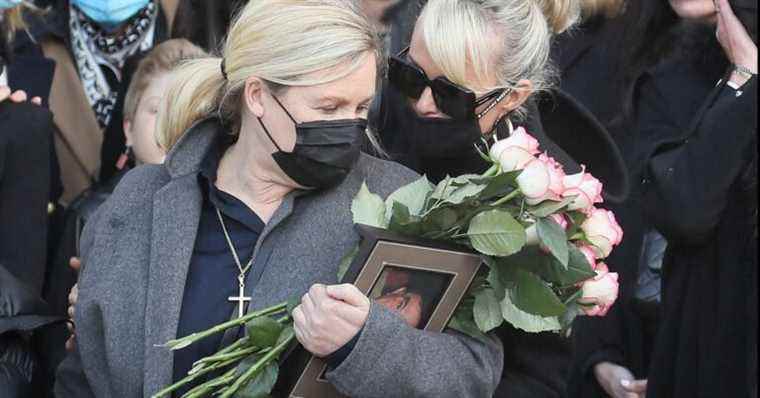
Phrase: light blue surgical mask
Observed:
(5, 4)
(109, 13)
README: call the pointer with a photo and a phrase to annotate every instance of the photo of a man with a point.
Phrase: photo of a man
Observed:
(413, 294)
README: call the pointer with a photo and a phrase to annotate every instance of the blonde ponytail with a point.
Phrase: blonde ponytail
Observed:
(282, 42)
(560, 14)
(193, 95)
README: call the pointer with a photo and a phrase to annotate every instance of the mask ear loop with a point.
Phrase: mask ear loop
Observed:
(267, 130)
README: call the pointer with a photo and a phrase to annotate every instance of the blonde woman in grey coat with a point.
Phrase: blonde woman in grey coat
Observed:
(266, 170)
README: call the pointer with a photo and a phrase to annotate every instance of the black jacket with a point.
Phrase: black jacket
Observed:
(702, 195)
(26, 139)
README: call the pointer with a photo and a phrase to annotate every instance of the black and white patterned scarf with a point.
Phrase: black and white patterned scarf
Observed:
(95, 49)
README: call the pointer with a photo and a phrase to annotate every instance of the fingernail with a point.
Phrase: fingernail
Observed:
(625, 383)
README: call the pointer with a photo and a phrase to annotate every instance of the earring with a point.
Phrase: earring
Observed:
(124, 158)
(510, 128)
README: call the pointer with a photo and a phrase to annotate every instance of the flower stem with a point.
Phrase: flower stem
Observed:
(168, 390)
(494, 170)
(204, 389)
(190, 339)
(507, 198)
(254, 370)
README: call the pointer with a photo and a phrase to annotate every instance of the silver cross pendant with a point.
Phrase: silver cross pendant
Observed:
(241, 299)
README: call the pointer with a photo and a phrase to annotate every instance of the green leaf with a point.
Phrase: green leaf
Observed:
(261, 386)
(553, 238)
(487, 312)
(496, 233)
(525, 321)
(495, 280)
(532, 259)
(286, 334)
(263, 331)
(345, 263)
(550, 207)
(501, 185)
(463, 322)
(413, 196)
(533, 295)
(293, 303)
(368, 209)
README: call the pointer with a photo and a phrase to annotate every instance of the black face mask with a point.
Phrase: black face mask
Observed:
(325, 151)
(433, 137)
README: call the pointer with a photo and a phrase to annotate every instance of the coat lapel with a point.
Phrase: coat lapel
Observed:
(176, 214)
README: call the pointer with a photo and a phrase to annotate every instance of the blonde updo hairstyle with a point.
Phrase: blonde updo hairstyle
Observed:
(282, 42)
(461, 33)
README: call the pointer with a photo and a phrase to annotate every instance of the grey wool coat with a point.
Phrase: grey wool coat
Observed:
(136, 252)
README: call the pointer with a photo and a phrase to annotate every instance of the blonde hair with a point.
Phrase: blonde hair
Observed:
(605, 8)
(282, 42)
(14, 18)
(161, 59)
(461, 33)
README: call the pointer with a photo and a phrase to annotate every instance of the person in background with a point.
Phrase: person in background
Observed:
(143, 100)
(91, 42)
(27, 186)
(701, 194)
(422, 129)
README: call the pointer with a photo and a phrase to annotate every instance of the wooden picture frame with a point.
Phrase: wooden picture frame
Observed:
(435, 278)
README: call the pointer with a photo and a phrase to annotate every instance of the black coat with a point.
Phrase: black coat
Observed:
(26, 156)
(535, 365)
(702, 195)
(669, 98)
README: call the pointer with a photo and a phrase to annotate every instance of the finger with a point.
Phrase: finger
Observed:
(75, 263)
(350, 313)
(349, 294)
(635, 386)
(37, 101)
(71, 312)
(18, 96)
(73, 296)
(299, 321)
(71, 344)
(5, 92)
(309, 306)
(317, 293)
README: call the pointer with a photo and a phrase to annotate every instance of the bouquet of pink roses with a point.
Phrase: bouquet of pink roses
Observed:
(537, 230)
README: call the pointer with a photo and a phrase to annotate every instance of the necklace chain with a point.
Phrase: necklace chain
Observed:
(242, 270)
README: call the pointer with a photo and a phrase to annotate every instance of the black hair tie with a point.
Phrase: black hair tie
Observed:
(224, 70)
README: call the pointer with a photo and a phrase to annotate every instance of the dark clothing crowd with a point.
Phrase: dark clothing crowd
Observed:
(644, 99)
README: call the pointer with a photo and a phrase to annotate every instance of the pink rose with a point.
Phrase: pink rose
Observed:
(603, 231)
(560, 219)
(585, 187)
(515, 152)
(590, 254)
(556, 180)
(599, 293)
(534, 180)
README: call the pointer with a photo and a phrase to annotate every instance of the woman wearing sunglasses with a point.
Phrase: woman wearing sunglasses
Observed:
(470, 72)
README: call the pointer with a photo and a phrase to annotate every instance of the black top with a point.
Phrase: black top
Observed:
(213, 274)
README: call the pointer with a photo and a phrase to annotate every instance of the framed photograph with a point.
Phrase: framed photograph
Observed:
(423, 281)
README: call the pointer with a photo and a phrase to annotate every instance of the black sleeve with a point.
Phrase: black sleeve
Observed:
(689, 184)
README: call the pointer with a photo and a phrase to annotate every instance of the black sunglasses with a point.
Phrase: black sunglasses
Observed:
(452, 99)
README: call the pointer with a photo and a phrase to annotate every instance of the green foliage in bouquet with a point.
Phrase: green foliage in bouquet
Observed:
(533, 287)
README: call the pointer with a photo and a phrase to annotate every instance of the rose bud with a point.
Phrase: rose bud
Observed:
(599, 293)
(516, 151)
(560, 219)
(534, 180)
(556, 180)
(602, 230)
(585, 187)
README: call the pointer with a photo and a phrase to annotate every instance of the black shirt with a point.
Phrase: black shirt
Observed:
(213, 274)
